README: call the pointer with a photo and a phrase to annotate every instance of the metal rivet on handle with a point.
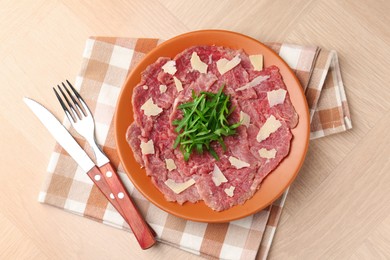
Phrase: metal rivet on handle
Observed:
(112, 196)
(121, 195)
(97, 177)
(109, 174)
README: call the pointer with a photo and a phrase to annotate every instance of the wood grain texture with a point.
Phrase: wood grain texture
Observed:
(339, 206)
(141, 230)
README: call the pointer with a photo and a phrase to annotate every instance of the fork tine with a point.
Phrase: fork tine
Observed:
(75, 114)
(75, 102)
(81, 100)
(74, 90)
(64, 107)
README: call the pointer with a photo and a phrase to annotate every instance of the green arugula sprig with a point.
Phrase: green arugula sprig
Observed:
(204, 121)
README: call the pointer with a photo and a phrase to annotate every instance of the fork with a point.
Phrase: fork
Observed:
(82, 120)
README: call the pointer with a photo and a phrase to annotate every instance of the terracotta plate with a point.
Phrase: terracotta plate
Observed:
(276, 182)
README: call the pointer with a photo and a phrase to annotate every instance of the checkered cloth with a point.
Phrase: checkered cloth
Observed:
(106, 64)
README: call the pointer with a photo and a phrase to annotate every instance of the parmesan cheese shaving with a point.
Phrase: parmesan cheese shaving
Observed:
(179, 187)
(163, 88)
(147, 148)
(170, 67)
(245, 119)
(217, 176)
(225, 65)
(276, 97)
(230, 191)
(151, 109)
(256, 81)
(178, 84)
(270, 126)
(145, 87)
(257, 62)
(267, 154)
(197, 64)
(238, 163)
(170, 164)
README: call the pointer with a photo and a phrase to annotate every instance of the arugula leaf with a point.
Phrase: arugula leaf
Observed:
(204, 121)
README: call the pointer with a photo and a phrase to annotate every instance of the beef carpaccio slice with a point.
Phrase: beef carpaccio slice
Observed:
(258, 146)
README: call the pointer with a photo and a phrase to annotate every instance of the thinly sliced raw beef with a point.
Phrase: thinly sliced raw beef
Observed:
(242, 166)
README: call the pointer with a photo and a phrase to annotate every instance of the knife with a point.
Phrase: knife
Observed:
(141, 230)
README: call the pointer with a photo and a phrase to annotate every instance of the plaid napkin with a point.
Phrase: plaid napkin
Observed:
(106, 64)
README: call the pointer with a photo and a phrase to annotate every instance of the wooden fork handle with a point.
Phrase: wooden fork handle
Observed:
(143, 233)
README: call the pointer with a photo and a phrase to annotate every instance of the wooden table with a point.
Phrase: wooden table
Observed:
(339, 206)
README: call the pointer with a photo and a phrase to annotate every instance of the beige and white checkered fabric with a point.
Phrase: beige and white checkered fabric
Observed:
(106, 64)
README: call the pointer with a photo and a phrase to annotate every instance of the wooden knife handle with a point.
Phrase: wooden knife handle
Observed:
(99, 180)
(140, 228)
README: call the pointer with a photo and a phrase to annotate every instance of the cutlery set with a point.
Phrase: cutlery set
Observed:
(103, 174)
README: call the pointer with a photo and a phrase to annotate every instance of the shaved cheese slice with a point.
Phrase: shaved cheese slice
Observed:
(256, 81)
(225, 65)
(245, 119)
(256, 61)
(179, 85)
(267, 154)
(170, 67)
(170, 164)
(147, 148)
(230, 191)
(276, 97)
(179, 187)
(238, 163)
(197, 64)
(163, 88)
(151, 109)
(217, 176)
(270, 126)
(145, 87)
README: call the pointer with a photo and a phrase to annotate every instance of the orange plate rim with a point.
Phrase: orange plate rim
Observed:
(274, 184)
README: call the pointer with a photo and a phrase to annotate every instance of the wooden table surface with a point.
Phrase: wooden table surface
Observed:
(338, 207)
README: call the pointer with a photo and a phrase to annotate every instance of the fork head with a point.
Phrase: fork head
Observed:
(76, 110)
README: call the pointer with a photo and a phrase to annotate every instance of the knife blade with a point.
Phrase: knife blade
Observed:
(66, 140)
(61, 134)
(142, 231)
